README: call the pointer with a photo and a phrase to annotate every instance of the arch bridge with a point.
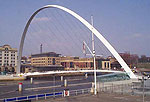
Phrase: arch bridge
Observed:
(88, 25)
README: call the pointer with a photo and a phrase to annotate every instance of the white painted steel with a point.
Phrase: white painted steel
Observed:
(93, 46)
(60, 72)
(103, 40)
(88, 48)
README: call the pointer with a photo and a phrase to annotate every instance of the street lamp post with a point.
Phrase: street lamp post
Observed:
(93, 47)
(143, 88)
(94, 57)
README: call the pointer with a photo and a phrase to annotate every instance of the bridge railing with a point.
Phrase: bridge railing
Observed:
(79, 92)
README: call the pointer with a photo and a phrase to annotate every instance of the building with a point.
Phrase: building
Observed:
(45, 59)
(106, 64)
(8, 58)
(25, 64)
(75, 63)
(24, 60)
(102, 63)
(49, 61)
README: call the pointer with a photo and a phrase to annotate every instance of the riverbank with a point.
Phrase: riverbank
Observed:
(11, 78)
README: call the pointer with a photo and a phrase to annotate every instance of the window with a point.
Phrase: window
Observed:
(108, 65)
(91, 64)
(71, 64)
(105, 64)
(6, 49)
(86, 64)
(53, 61)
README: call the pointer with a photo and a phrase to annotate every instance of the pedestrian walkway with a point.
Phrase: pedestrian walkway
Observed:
(101, 97)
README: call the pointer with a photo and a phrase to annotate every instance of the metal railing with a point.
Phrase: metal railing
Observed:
(47, 95)
(79, 92)
(122, 88)
(34, 97)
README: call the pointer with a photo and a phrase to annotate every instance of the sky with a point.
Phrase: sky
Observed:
(124, 23)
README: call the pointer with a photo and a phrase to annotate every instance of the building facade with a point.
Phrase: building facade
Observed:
(8, 58)
(106, 64)
(49, 61)
(75, 63)
(45, 59)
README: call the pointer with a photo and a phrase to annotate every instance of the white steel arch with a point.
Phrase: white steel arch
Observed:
(89, 26)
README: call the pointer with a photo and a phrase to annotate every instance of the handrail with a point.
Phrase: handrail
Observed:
(32, 97)
(44, 95)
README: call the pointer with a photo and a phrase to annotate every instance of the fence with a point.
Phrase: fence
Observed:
(122, 87)
(34, 97)
(79, 92)
(46, 95)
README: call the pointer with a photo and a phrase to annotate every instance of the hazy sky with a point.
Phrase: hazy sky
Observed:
(124, 23)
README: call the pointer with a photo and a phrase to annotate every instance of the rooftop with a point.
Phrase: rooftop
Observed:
(46, 54)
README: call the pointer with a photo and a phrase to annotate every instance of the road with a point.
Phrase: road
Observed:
(10, 88)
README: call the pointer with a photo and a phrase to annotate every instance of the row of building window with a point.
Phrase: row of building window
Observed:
(72, 64)
(39, 62)
(45, 62)
(42, 64)
(39, 59)
(6, 64)
(8, 52)
(46, 58)
(7, 61)
(8, 57)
